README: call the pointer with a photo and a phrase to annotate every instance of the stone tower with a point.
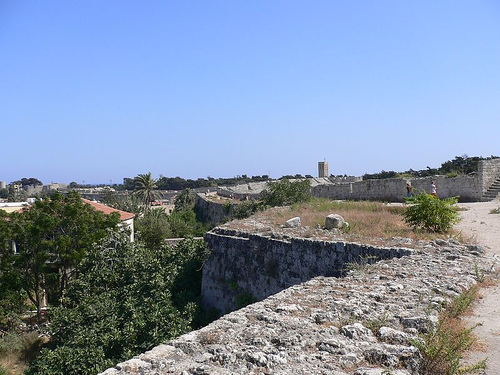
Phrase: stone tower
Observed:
(323, 169)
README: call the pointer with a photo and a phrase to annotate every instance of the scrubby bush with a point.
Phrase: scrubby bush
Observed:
(444, 345)
(431, 213)
(244, 209)
(284, 193)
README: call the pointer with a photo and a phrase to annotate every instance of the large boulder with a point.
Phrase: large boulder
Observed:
(335, 221)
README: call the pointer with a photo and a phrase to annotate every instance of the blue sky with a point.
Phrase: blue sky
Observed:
(96, 91)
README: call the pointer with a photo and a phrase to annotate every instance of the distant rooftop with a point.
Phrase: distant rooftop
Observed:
(109, 210)
(10, 207)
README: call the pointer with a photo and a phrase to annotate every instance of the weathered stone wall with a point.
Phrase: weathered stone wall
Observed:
(394, 189)
(243, 266)
(488, 172)
(361, 324)
(210, 211)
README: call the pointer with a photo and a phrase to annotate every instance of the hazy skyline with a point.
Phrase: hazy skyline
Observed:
(96, 91)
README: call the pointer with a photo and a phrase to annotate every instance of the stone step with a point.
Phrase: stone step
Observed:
(492, 196)
(489, 197)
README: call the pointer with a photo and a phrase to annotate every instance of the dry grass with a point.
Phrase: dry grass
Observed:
(444, 346)
(368, 221)
(16, 350)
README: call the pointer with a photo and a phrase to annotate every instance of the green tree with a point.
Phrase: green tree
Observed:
(120, 305)
(51, 237)
(431, 213)
(16, 195)
(284, 192)
(184, 224)
(185, 200)
(12, 297)
(4, 193)
(28, 181)
(145, 188)
(153, 228)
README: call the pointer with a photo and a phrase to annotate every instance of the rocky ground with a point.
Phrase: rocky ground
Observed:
(362, 324)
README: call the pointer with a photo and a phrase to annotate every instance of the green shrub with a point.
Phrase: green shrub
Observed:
(431, 213)
(244, 209)
(443, 346)
(284, 192)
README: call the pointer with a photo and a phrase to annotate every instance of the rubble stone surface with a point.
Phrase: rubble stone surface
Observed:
(360, 324)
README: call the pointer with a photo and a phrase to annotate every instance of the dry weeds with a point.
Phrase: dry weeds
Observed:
(369, 222)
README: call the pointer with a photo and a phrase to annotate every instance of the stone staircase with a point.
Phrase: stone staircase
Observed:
(492, 192)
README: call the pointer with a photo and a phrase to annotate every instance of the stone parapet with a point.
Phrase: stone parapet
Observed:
(468, 188)
(256, 266)
(360, 324)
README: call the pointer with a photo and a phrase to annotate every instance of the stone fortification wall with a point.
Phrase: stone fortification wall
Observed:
(488, 172)
(361, 324)
(344, 179)
(211, 211)
(246, 266)
(394, 189)
(250, 190)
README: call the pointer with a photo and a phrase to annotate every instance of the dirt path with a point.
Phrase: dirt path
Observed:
(485, 227)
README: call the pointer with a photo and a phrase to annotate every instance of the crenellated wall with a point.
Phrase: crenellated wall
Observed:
(246, 266)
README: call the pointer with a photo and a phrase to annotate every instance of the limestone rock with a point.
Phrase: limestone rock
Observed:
(334, 221)
(294, 222)
(357, 331)
(393, 336)
(379, 371)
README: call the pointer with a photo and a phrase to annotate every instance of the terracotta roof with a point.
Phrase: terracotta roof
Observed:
(109, 210)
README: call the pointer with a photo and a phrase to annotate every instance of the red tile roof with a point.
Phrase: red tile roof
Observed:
(109, 210)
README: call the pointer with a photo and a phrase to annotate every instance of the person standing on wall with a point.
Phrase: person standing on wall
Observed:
(434, 189)
(408, 190)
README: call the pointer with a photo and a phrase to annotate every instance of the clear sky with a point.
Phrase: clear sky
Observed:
(98, 90)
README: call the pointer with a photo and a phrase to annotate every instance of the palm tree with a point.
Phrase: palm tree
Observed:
(185, 200)
(145, 189)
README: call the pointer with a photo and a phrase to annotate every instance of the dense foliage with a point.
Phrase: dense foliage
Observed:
(154, 225)
(28, 182)
(460, 165)
(51, 237)
(285, 192)
(12, 296)
(431, 213)
(125, 300)
(244, 209)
